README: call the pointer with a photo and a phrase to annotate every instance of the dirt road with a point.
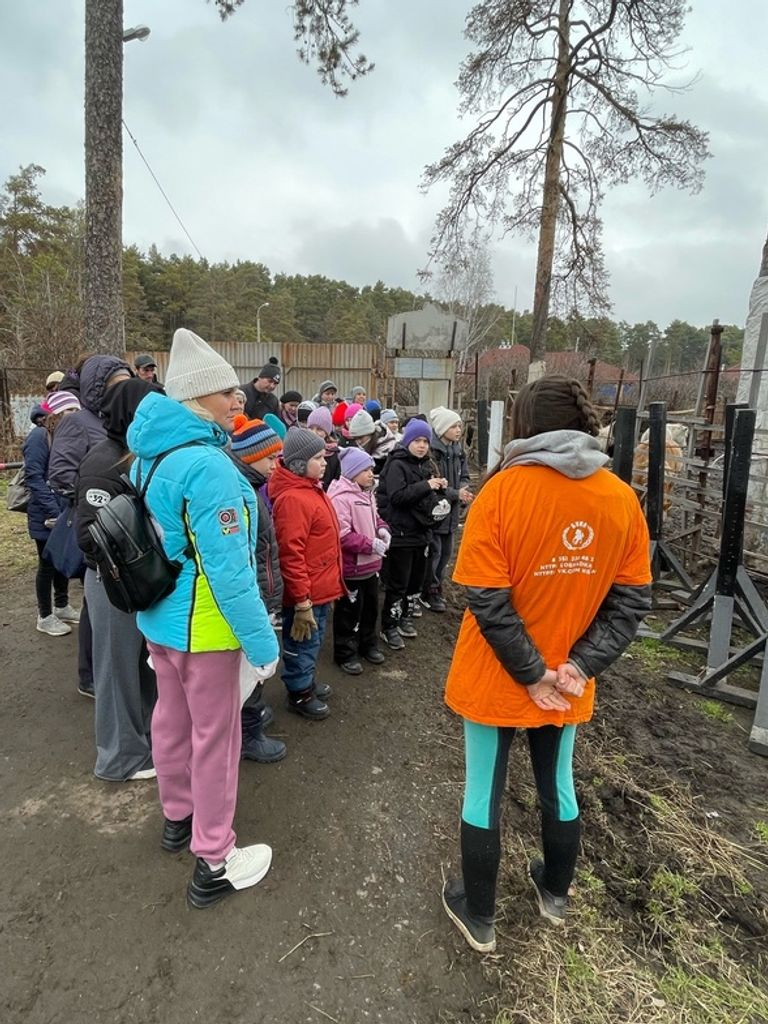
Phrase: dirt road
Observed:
(94, 925)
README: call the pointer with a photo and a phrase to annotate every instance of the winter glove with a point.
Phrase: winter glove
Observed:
(303, 624)
(379, 547)
(261, 672)
(386, 536)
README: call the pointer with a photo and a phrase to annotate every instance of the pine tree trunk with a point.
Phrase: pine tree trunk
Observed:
(551, 196)
(103, 176)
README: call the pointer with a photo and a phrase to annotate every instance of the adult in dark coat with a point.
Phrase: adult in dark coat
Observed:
(124, 684)
(44, 506)
(78, 433)
(260, 397)
(450, 462)
(73, 439)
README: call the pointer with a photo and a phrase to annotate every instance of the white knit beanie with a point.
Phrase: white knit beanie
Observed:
(442, 419)
(361, 424)
(195, 369)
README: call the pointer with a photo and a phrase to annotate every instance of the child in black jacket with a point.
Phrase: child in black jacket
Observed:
(409, 500)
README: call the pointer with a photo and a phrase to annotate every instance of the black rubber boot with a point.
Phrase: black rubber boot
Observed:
(308, 705)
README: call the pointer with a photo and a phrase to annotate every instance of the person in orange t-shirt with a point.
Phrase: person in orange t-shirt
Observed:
(555, 559)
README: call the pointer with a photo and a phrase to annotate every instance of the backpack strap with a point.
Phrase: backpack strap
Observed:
(143, 489)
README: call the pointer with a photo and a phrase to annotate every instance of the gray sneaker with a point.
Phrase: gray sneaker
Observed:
(551, 907)
(67, 614)
(52, 626)
(478, 931)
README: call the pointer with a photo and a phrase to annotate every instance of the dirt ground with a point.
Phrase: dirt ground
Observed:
(669, 908)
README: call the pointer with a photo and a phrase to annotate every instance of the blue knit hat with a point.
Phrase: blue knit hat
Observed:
(414, 429)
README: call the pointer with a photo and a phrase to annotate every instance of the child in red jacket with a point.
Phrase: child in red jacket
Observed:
(310, 562)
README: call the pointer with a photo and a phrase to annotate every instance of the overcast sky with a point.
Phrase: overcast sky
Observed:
(263, 163)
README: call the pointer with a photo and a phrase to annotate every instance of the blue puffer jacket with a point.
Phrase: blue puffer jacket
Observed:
(43, 503)
(208, 517)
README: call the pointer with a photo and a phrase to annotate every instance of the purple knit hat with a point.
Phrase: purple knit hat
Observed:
(354, 461)
(414, 429)
(321, 418)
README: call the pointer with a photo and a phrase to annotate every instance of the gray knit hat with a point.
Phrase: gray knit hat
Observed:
(195, 369)
(361, 424)
(299, 446)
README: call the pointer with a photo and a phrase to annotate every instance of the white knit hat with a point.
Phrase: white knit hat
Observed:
(361, 424)
(442, 419)
(195, 369)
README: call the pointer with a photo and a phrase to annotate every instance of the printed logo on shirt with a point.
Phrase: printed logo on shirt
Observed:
(578, 535)
(228, 521)
(95, 496)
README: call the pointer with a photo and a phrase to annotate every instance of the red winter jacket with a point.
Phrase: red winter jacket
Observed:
(307, 538)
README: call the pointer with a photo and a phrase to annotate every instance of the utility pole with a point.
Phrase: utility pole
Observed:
(104, 328)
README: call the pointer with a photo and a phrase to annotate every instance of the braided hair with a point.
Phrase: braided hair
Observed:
(553, 402)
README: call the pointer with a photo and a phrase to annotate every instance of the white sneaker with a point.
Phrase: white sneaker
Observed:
(67, 614)
(247, 865)
(243, 867)
(143, 773)
(52, 626)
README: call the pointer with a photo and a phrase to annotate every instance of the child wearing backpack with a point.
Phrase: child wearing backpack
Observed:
(365, 540)
(410, 502)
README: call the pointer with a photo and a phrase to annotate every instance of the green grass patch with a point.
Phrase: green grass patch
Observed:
(713, 999)
(715, 710)
(761, 831)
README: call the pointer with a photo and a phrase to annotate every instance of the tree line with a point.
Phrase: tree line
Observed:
(41, 301)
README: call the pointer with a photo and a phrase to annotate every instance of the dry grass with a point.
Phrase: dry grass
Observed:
(651, 937)
(17, 551)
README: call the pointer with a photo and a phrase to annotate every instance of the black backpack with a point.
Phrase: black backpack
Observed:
(135, 570)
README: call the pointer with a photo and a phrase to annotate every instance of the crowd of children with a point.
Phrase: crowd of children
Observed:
(333, 503)
(285, 518)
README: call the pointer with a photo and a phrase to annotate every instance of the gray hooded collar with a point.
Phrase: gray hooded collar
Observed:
(570, 452)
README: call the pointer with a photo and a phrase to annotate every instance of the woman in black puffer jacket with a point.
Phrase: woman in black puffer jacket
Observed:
(124, 684)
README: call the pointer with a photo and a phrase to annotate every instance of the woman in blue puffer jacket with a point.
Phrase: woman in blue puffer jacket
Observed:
(208, 518)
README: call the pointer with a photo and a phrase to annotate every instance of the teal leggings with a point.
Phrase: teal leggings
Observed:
(486, 751)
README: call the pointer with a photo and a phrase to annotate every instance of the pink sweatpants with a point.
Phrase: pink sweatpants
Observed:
(196, 739)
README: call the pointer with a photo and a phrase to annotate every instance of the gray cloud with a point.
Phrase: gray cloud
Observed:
(264, 163)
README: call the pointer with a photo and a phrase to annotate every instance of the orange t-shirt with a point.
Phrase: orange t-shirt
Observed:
(558, 545)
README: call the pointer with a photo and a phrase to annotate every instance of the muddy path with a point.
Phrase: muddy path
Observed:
(93, 921)
(362, 816)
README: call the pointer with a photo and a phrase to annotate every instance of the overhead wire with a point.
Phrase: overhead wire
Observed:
(162, 190)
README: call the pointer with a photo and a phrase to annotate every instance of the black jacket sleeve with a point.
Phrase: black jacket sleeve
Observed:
(401, 492)
(505, 632)
(612, 630)
(99, 480)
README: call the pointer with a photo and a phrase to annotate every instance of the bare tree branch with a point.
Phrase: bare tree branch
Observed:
(550, 78)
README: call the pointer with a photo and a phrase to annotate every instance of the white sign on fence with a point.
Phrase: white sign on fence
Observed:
(424, 369)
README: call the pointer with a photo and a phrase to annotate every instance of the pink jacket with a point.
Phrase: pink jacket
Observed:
(359, 522)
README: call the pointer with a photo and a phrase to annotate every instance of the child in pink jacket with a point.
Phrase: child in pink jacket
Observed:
(364, 542)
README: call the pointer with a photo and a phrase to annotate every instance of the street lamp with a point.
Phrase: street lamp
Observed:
(140, 32)
(258, 322)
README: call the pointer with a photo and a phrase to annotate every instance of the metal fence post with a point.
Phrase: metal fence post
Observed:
(624, 442)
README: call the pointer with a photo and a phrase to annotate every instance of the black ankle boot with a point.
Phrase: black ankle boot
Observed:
(176, 834)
